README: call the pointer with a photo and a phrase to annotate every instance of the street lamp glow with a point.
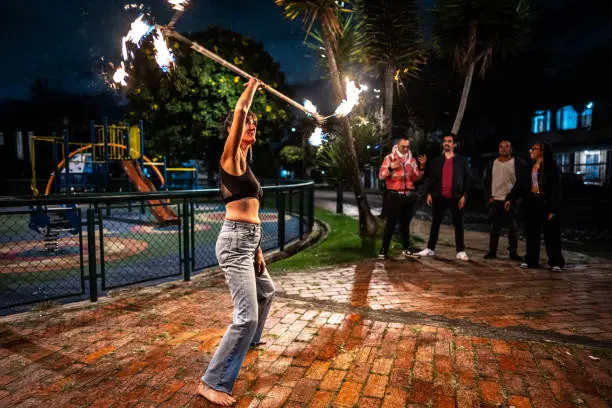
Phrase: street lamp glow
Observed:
(317, 137)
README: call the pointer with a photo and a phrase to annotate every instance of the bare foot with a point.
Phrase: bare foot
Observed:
(214, 396)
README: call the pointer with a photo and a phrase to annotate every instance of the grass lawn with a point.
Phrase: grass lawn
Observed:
(341, 246)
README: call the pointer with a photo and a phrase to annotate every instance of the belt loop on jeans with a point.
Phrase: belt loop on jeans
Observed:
(234, 225)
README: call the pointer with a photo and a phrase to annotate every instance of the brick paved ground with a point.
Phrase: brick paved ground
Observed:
(371, 335)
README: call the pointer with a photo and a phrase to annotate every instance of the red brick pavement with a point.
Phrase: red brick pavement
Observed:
(576, 302)
(149, 349)
(427, 333)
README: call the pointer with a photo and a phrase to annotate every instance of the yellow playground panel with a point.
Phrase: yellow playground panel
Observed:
(116, 138)
(116, 145)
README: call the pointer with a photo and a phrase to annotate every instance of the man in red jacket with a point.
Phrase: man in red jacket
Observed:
(400, 170)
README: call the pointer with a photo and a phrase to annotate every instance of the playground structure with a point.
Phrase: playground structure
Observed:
(85, 166)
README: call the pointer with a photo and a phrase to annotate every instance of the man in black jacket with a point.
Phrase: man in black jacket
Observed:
(447, 187)
(506, 181)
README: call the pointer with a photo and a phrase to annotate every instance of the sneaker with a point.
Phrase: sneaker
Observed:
(409, 253)
(555, 269)
(516, 257)
(490, 255)
(462, 256)
(426, 252)
(525, 265)
(382, 254)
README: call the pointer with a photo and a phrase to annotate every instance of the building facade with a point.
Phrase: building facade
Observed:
(581, 137)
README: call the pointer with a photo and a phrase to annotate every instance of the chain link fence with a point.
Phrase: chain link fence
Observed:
(80, 247)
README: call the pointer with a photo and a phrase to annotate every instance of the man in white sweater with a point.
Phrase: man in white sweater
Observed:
(504, 179)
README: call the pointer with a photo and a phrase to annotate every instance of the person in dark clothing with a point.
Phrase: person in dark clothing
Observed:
(505, 179)
(400, 170)
(542, 207)
(447, 187)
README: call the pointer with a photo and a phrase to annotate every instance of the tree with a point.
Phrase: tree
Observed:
(324, 11)
(184, 108)
(331, 156)
(391, 45)
(348, 50)
(473, 31)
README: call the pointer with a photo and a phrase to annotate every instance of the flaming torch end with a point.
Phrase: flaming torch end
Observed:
(179, 6)
(312, 110)
(120, 75)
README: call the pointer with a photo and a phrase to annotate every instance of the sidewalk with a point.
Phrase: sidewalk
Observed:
(400, 333)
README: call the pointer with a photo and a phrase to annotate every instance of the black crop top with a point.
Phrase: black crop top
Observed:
(236, 187)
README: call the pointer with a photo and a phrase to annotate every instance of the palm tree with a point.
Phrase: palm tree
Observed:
(391, 44)
(324, 11)
(473, 31)
(348, 50)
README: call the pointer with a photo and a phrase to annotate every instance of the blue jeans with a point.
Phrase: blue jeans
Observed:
(252, 297)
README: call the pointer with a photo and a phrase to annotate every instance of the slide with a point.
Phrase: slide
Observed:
(160, 210)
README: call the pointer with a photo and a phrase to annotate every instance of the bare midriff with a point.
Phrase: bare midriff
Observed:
(535, 188)
(243, 210)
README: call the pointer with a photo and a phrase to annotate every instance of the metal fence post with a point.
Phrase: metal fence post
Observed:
(91, 250)
(102, 263)
(186, 244)
(310, 208)
(192, 231)
(301, 198)
(280, 207)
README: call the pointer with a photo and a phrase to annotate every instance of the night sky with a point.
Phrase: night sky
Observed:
(65, 40)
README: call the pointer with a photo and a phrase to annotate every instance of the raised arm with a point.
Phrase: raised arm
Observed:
(384, 171)
(229, 158)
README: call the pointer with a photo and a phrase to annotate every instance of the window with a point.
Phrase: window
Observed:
(591, 165)
(586, 117)
(563, 160)
(567, 118)
(540, 122)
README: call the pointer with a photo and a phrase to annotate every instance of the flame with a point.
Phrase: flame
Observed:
(120, 75)
(352, 98)
(133, 6)
(317, 137)
(138, 30)
(310, 107)
(178, 5)
(163, 55)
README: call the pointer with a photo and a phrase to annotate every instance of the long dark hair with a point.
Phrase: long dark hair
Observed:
(549, 164)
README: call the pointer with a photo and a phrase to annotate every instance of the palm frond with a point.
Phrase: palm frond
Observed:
(478, 29)
(392, 34)
(348, 50)
(312, 10)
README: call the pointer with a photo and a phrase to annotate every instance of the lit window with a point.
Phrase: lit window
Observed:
(540, 122)
(586, 117)
(567, 118)
(591, 165)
